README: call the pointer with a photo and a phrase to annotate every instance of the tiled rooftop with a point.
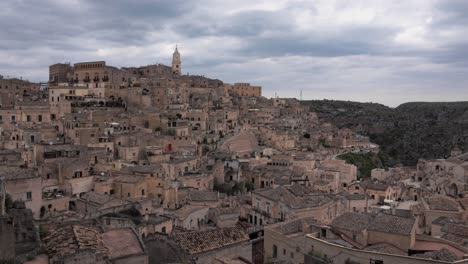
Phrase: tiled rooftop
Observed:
(442, 203)
(202, 241)
(392, 224)
(70, 239)
(354, 222)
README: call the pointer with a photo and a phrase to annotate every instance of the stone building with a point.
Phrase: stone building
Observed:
(211, 245)
(83, 244)
(436, 206)
(288, 202)
(245, 89)
(59, 73)
(24, 185)
(347, 240)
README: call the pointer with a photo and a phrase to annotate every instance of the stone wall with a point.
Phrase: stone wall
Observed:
(7, 238)
(161, 249)
(110, 210)
(242, 250)
(340, 254)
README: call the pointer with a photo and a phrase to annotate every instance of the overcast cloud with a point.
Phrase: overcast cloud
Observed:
(369, 50)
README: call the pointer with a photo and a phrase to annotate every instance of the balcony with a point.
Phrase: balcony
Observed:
(86, 80)
(261, 212)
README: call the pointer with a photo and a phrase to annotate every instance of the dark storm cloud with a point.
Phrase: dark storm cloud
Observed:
(352, 41)
(455, 11)
(349, 47)
(243, 25)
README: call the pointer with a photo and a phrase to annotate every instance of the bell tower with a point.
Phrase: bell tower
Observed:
(176, 64)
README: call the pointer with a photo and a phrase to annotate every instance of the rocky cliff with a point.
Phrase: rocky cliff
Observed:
(405, 133)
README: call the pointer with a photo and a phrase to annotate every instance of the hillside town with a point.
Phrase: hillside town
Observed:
(153, 165)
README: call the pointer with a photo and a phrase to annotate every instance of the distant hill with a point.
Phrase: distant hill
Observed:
(405, 133)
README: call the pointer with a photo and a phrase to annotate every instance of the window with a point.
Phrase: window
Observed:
(29, 196)
(78, 174)
(28, 118)
(284, 252)
(275, 251)
(39, 118)
(143, 192)
(323, 232)
(292, 255)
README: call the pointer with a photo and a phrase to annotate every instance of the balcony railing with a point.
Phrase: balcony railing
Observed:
(258, 210)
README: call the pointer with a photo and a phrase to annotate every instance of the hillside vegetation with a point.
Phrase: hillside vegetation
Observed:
(405, 133)
(364, 162)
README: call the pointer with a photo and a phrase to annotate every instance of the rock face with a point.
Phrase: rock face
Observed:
(405, 133)
(244, 142)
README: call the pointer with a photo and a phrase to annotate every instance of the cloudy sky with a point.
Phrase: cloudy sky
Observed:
(362, 50)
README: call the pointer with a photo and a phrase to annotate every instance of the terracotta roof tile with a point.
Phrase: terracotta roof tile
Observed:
(354, 222)
(442, 202)
(201, 241)
(392, 224)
